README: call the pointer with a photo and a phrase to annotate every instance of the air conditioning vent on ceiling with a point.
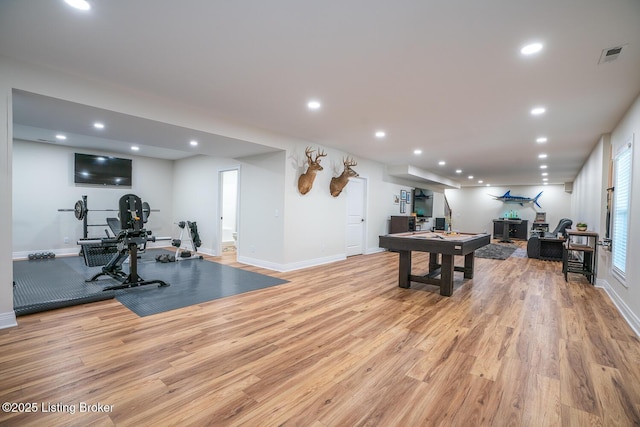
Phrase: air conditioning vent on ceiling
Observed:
(610, 54)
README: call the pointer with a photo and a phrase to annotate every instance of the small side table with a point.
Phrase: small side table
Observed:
(580, 254)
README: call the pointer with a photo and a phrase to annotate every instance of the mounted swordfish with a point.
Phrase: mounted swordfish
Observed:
(508, 198)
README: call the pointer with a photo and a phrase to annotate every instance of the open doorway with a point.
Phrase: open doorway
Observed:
(228, 208)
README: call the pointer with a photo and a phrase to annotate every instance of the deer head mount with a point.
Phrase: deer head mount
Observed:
(338, 183)
(305, 182)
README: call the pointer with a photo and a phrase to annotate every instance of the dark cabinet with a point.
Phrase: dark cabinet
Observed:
(519, 231)
(402, 224)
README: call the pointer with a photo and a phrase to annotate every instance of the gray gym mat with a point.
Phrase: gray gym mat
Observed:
(191, 282)
(47, 284)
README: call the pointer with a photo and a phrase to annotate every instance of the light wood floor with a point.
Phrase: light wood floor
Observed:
(339, 345)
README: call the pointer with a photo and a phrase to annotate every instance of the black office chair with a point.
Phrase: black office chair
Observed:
(533, 244)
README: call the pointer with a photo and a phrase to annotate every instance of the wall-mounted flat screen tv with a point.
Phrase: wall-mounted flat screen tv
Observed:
(423, 203)
(102, 170)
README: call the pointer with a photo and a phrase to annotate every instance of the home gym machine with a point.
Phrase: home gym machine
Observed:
(81, 212)
(125, 245)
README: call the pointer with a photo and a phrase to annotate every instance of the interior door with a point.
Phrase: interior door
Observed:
(356, 202)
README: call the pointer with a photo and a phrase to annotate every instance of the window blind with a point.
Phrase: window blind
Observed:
(622, 194)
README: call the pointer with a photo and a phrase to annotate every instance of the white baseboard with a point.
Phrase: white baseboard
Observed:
(622, 307)
(206, 251)
(292, 266)
(8, 320)
(374, 251)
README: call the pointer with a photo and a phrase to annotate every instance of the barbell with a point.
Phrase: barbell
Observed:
(80, 210)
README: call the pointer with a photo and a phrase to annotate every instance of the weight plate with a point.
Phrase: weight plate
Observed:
(146, 211)
(79, 210)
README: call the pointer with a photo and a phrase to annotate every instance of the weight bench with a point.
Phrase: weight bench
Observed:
(111, 252)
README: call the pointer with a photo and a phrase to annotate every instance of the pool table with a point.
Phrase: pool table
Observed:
(438, 244)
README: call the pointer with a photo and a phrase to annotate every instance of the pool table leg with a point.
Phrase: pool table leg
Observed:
(404, 269)
(434, 261)
(446, 275)
(468, 266)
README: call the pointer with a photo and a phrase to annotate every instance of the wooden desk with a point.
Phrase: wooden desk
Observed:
(437, 244)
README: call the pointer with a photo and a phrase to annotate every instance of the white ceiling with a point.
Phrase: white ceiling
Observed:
(444, 76)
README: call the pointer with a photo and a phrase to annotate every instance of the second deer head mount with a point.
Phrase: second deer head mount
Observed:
(338, 183)
(305, 182)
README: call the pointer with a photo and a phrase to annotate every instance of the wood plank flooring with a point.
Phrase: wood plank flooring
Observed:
(339, 345)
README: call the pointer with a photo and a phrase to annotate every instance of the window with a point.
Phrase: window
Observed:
(621, 199)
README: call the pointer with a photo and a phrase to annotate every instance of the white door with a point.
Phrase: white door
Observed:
(355, 216)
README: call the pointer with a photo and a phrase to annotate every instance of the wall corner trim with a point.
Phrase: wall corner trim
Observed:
(8, 320)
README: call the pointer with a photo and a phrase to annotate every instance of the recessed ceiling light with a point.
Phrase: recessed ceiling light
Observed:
(545, 183)
(313, 105)
(543, 166)
(488, 185)
(542, 156)
(61, 136)
(98, 125)
(78, 4)
(544, 173)
(480, 181)
(193, 142)
(531, 48)
(538, 111)
(541, 140)
(135, 148)
(380, 134)
(458, 170)
(470, 177)
(417, 152)
(545, 179)
(442, 163)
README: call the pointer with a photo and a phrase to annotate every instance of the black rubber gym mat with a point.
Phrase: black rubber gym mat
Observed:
(191, 282)
(47, 284)
(54, 283)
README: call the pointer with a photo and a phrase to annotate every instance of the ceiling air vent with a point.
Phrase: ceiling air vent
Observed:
(610, 54)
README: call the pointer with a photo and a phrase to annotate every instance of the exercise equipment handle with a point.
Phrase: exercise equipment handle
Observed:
(86, 242)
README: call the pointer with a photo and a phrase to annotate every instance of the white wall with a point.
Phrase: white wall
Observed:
(262, 214)
(43, 183)
(316, 222)
(474, 209)
(625, 295)
(589, 198)
(195, 197)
